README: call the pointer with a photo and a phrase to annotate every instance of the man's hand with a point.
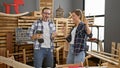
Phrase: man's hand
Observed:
(36, 36)
(54, 34)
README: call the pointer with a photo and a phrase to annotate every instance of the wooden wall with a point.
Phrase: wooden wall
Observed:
(8, 25)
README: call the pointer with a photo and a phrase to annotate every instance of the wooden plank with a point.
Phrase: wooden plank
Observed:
(3, 51)
(5, 31)
(2, 45)
(103, 58)
(13, 15)
(7, 28)
(30, 60)
(13, 63)
(70, 25)
(28, 18)
(48, 5)
(2, 41)
(58, 53)
(29, 54)
(29, 51)
(67, 65)
(9, 41)
(118, 46)
(27, 48)
(107, 57)
(25, 20)
(7, 22)
(2, 34)
(113, 48)
(20, 24)
(107, 54)
(8, 25)
(2, 65)
(119, 55)
(2, 38)
(27, 26)
(8, 18)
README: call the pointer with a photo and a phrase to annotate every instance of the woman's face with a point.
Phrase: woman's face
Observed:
(75, 17)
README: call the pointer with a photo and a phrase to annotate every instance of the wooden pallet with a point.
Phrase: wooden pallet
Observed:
(109, 57)
(13, 63)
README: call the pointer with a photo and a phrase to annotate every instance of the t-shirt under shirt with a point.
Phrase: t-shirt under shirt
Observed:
(73, 35)
(46, 35)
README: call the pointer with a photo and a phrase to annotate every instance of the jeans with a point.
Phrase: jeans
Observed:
(74, 59)
(43, 58)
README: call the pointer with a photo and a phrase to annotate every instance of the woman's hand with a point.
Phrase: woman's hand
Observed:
(87, 26)
(86, 21)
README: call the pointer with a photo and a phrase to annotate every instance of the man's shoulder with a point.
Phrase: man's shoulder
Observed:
(39, 21)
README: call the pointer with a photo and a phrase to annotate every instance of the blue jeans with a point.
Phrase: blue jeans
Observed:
(43, 57)
(74, 59)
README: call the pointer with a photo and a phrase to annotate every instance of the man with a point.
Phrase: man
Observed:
(42, 32)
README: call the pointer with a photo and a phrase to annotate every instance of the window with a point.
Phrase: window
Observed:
(96, 8)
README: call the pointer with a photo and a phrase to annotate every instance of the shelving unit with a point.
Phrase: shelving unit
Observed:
(61, 45)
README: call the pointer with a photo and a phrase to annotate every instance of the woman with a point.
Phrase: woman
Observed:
(77, 39)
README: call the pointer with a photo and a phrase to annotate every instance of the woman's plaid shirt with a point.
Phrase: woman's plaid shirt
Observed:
(80, 38)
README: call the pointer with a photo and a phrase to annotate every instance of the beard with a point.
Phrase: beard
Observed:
(46, 18)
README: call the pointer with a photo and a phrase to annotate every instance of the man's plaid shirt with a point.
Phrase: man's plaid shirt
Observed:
(80, 38)
(37, 25)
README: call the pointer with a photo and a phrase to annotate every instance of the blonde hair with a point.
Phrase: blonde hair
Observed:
(80, 13)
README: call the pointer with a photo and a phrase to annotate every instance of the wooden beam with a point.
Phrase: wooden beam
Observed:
(107, 57)
(29, 24)
(13, 63)
(103, 58)
(9, 41)
(119, 55)
(113, 48)
(20, 20)
(57, 52)
(105, 53)
(28, 17)
(67, 65)
(8, 18)
(13, 15)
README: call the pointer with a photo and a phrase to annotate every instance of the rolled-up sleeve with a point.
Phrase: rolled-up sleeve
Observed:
(90, 35)
(68, 38)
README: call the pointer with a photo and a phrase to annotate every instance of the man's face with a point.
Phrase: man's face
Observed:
(46, 13)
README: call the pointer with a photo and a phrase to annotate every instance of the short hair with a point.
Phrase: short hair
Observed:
(45, 9)
(78, 12)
